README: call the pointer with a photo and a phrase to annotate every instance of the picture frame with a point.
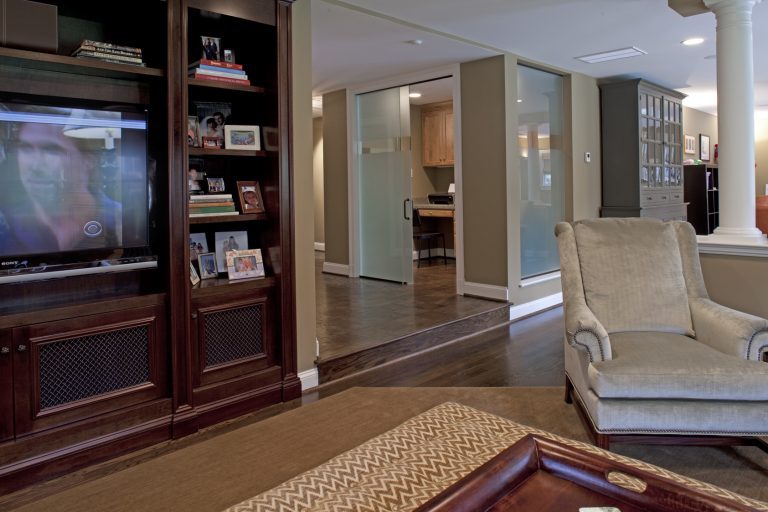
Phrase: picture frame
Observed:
(245, 264)
(229, 55)
(213, 143)
(212, 116)
(211, 48)
(193, 277)
(690, 145)
(193, 132)
(207, 263)
(226, 241)
(198, 244)
(242, 137)
(703, 147)
(250, 197)
(271, 138)
(215, 185)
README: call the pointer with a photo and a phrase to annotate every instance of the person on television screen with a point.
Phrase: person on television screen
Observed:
(52, 204)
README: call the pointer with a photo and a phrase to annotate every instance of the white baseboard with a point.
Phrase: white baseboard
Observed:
(320, 246)
(309, 379)
(487, 291)
(535, 306)
(335, 268)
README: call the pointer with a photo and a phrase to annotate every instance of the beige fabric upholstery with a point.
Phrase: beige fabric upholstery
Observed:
(640, 257)
(646, 349)
(663, 365)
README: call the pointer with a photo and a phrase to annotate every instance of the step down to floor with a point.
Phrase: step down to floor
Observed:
(342, 366)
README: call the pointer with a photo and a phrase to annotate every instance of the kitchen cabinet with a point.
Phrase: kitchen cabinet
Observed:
(437, 134)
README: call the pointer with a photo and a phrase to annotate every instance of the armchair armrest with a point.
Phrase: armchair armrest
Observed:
(729, 331)
(584, 330)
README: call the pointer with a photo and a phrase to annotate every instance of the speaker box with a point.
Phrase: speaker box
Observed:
(29, 25)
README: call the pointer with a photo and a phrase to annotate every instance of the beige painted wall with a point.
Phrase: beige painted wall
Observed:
(301, 41)
(761, 153)
(739, 282)
(317, 173)
(484, 170)
(583, 104)
(696, 122)
(335, 206)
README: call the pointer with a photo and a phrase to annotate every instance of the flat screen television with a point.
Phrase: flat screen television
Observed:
(74, 186)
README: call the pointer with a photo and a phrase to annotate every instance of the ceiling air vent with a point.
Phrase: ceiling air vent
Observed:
(622, 53)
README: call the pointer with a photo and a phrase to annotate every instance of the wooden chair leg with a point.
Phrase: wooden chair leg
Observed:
(568, 390)
(445, 256)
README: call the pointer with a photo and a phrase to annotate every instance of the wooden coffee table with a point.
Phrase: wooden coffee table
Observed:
(540, 474)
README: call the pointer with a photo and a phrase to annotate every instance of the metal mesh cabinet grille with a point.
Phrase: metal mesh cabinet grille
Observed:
(78, 368)
(233, 334)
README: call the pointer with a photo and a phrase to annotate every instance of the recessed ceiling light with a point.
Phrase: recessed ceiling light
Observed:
(414, 95)
(621, 53)
(519, 100)
(693, 41)
(416, 42)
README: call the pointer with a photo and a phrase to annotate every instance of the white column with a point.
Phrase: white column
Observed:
(735, 116)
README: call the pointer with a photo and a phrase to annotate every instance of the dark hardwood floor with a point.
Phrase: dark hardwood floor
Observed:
(354, 314)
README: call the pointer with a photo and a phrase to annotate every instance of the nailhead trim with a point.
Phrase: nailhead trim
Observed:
(599, 345)
(752, 339)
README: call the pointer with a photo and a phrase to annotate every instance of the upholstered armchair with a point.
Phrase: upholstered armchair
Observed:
(649, 358)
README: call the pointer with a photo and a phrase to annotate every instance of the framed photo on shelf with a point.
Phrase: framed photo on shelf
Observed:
(197, 245)
(242, 137)
(245, 264)
(703, 147)
(213, 143)
(226, 241)
(193, 277)
(250, 197)
(207, 262)
(211, 47)
(271, 138)
(215, 185)
(212, 116)
(193, 132)
(229, 55)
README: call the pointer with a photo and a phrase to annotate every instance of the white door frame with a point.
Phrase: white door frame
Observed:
(353, 199)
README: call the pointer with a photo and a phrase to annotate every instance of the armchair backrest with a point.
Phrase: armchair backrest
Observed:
(634, 274)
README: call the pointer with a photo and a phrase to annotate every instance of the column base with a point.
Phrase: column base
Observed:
(749, 233)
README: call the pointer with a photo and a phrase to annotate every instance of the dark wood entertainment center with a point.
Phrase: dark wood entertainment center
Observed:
(96, 365)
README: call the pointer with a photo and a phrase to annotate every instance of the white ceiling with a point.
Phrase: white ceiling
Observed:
(360, 41)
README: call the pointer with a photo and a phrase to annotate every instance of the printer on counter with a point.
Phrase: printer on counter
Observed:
(443, 197)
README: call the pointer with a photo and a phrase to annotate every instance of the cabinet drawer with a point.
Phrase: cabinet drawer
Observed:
(671, 212)
(436, 213)
(655, 197)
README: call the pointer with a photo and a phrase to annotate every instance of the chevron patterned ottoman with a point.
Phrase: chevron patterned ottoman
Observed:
(405, 467)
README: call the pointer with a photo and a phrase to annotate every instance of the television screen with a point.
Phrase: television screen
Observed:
(72, 180)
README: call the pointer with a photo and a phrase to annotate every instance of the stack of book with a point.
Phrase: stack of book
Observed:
(108, 52)
(218, 71)
(211, 205)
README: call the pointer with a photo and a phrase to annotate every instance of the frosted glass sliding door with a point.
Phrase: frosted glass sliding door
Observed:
(384, 164)
(540, 135)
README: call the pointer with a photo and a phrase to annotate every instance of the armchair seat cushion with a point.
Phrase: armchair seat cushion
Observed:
(660, 365)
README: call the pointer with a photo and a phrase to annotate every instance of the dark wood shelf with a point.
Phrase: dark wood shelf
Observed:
(214, 219)
(209, 287)
(200, 82)
(224, 152)
(63, 63)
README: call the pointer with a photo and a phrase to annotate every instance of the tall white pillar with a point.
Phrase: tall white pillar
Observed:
(735, 116)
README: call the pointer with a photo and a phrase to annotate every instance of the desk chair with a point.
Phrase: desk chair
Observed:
(419, 236)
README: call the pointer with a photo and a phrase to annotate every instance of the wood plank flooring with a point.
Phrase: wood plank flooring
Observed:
(355, 314)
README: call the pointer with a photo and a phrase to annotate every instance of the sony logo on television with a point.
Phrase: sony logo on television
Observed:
(9, 263)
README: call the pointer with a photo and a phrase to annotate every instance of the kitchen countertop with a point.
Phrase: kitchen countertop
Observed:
(428, 206)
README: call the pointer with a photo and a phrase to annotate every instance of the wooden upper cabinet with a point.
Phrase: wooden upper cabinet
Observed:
(437, 134)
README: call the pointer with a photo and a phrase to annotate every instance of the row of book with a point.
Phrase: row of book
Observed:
(211, 205)
(108, 52)
(218, 71)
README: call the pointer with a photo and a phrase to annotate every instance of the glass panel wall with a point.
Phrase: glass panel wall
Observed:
(540, 139)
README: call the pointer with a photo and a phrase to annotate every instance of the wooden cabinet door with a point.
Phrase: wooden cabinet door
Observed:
(79, 368)
(6, 384)
(448, 138)
(433, 136)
